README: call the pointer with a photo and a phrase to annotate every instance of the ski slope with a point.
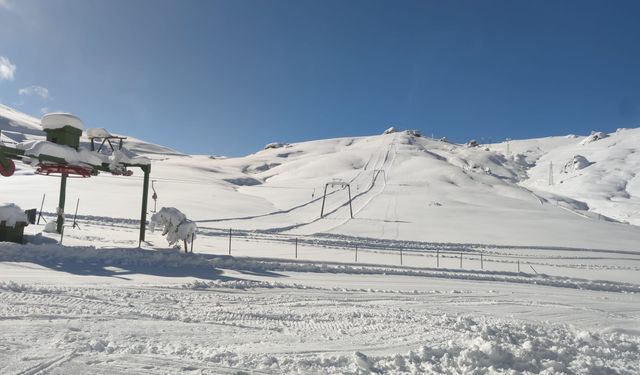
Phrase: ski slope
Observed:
(499, 270)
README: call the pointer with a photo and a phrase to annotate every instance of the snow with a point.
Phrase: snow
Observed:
(10, 214)
(578, 162)
(500, 272)
(69, 154)
(59, 120)
(98, 133)
(274, 145)
(176, 225)
(595, 136)
(390, 130)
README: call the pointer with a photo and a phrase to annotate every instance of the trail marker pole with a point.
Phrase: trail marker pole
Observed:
(460, 259)
(296, 247)
(400, 256)
(75, 224)
(481, 263)
(534, 270)
(356, 253)
(437, 258)
(229, 241)
(41, 206)
(518, 265)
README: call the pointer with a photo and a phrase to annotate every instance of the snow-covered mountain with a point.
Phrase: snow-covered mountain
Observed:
(404, 187)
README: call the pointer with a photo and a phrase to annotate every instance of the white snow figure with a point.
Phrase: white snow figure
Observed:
(176, 226)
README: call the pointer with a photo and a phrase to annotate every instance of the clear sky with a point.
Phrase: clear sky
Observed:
(227, 77)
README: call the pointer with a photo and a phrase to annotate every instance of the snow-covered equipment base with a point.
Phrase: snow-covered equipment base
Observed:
(175, 225)
(13, 219)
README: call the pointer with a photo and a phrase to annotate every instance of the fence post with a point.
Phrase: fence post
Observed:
(41, 205)
(437, 258)
(356, 253)
(400, 256)
(481, 262)
(296, 247)
(229, 241)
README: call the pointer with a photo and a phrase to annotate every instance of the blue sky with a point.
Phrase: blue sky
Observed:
(227, 77)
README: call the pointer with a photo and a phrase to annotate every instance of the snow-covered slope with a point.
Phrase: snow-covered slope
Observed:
(404, 187)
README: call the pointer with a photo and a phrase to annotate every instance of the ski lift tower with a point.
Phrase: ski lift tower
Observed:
(332, 184)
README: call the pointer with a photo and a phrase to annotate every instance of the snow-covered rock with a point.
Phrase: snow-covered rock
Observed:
(391, 130)
(275, 145)
(472, 143)
(11, 214)
(59, 120)
(578, 162)
(595, 136)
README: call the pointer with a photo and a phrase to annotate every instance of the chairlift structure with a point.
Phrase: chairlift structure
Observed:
(49, 165)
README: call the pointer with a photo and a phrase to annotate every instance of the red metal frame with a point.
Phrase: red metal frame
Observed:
(69, 170)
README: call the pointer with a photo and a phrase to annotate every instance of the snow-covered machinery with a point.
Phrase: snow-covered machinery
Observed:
(61, 154)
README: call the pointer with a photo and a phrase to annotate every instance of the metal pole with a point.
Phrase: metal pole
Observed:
(63, 195)
(324, 196)
(350, 207)
(41, 205)
(75, 224)
(229, 241)
(145, 196)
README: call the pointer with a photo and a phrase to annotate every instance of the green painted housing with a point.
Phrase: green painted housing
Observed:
(12, 234)
(66, 136)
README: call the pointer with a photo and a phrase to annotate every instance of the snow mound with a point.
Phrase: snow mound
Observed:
(98, 133)
(59, 120)
(11, 214)
(176, 225)
(595, 136)
(496, 347)
(578, 162)
(391, 130)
